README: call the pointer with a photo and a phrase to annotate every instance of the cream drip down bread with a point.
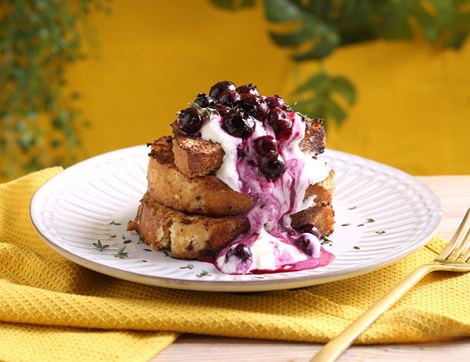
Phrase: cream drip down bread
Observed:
(240, 184)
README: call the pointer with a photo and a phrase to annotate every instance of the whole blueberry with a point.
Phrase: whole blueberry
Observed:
(254, 105)
(266, 146)
(276, 101)
(220, 87)
(239, 124)
(229, 98)
(189, 120)
(272, 168)
(280, 122)
(241, 251)
(203, 100)
(223, 110)
(248, 89)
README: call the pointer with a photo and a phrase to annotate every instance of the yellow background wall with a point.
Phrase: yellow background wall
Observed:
(413, 110)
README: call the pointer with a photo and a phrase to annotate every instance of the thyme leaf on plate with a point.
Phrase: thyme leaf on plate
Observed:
(203, 273)
(114, 223)
(189, 266)
(121, 253)
(380, 232)
(101, 247)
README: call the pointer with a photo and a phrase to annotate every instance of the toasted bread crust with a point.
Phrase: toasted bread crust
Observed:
(198, 157)
(206, 195)
(187, 236)
(322, 216)
(194, 236)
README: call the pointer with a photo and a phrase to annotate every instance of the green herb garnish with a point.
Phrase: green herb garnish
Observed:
(121, 253)
(345, 224)
(112, 236)
(167, 253)
(380, 232)
(114, 223)
(352, 208)
(356, 247)
(203, 273)
(369, 220)
(127, 241)
(101, 247)
(189, 266)
(359, 225)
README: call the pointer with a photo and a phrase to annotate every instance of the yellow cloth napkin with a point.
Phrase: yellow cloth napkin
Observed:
(52, 309)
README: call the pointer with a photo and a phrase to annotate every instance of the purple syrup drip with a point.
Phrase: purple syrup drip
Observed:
(273, 201)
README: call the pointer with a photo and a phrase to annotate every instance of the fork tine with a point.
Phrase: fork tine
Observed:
(462, 249)
(466, 251)
(456, 240)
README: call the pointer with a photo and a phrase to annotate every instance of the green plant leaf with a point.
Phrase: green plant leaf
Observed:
(282, 10)
(315, 97)
(344, 86)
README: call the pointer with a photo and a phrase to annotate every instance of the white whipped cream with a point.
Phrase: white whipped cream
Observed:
(227, 173)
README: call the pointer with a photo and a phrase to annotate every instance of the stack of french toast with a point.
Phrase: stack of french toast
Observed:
(189, 211)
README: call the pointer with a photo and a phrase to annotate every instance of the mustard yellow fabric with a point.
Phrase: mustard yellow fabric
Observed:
(52, 309)
(155, 56)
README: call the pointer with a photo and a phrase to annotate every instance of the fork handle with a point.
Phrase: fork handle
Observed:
(335, 347)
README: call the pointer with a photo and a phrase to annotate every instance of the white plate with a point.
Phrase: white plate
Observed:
(74, 209)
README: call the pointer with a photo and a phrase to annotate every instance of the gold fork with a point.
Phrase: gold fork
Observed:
(455, 258)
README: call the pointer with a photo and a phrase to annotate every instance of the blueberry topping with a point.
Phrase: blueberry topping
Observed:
(276, 101)
(248, 89)
(239, 124)
(229, 98)
(266, 146)
(272, 168)
(223, 110)
(189, 120)
(310, 229)
(218, 88)
(304, 243)
(203, 100)
(241, 251)
(280, 122)
(254, 105)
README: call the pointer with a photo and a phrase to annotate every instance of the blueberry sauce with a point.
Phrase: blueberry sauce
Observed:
(269, 167)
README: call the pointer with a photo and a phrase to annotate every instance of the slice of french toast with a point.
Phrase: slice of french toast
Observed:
(205, 195)
(198, 157)
(187, 236)
(195, 236)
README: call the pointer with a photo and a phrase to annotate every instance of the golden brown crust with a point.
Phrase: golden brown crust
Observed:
(206, 195)
(198, 157)
(187, 236)
(193, 236)
(322, 216)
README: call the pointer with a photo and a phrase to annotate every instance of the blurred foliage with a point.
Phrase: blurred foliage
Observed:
(314, 29)
(39, 121)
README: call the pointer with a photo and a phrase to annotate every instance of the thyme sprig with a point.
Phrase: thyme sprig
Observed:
(101, 247)
(121, 253)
